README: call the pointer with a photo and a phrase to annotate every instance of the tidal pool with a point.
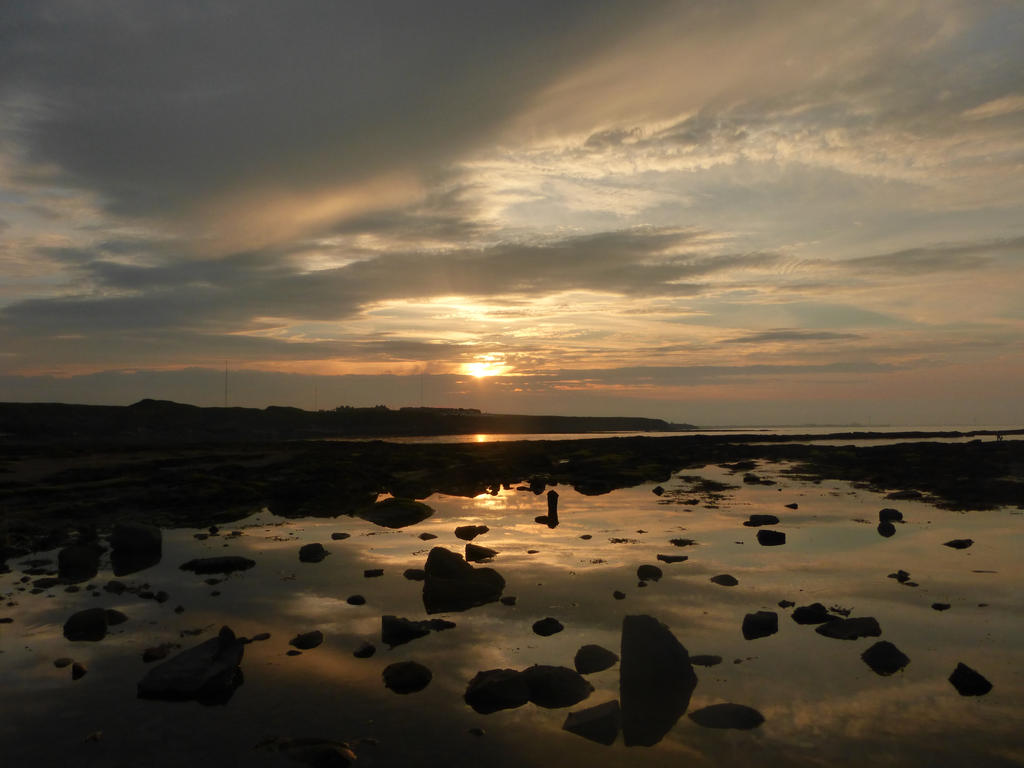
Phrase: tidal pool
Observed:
(821, 703)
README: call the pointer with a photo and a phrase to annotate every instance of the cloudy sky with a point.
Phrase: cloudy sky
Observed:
(717, 212)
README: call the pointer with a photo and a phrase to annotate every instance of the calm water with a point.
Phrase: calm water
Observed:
(822, 705)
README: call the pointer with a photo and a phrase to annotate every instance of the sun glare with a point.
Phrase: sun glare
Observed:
(491, 365)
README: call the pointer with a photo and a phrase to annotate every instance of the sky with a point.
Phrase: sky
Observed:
(782, 212)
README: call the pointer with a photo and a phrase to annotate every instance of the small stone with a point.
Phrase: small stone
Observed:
(508, 600)
(648, 573)
(959, 543)
(884, 658)
(62, 662)
(427, 536)
(941, 606)
(414, 574)
(794, 505)
(365, 650)
(470, 532)
(547, 627)
(969, 682)
(760, 624)
(759, 520)
(673, 558)
(293, 652)
(619, 595)
(815, 613)
(586, 537)
(786, 603)
(356, 600)
(406, 677)
(735, 716)
(338, 536)
(901, 576)
(373, 573)
(706, 660)
(260, 637)
(478, 554)
(493, 690)
(477, 731)
(307, 640)
(886, 529)
(771, 538)
(312, 553)
(889, 515)
(594, 658)
(599, 724)
(78, 671)
(725, 580)
(657, 490)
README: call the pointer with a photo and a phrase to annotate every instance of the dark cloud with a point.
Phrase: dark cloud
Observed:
(784, 334)
(942, 258)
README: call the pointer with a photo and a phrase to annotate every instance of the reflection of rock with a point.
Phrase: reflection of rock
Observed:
(555, 687)
(758, 520)
(307, 640)
(312, 553)
(959, 543)
(470, 532)
(497, 689)
(600, 723)
(706, 660)
(134, 547)
(725, 580)
(396, 513)
(398, 631)
(339, 536)
(414, 574)
(209, 672)
(477, 554)
(406, 677)
(224, 564)
(735, 716)
(771, 538)
(452, 584)
(656, 680)
(969, 682)
(850, 629)
(594, 658)
(78, 562)
(648, 573)
(884, 658)
(889, 515)
(815, 613)
(886, 529)
(760, 624)
(547, 627)
(673, 558)
(365, 650)
(91, 624)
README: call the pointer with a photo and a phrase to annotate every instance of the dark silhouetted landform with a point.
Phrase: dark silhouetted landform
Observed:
(163, 420)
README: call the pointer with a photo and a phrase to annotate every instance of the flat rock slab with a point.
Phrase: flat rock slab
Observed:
(890, 515)
(470, 532)
(406, 677)
(452, 584)
(725, 580)
(850, 629)
(648, 573)
(884, 658)
(771, 538)
(209, 672)
(594, 658)
(969, 682)
(759, 520)
(600, 723)
(223, 564)
(396, 513)
(396, 631)
(736, 716)
(760, 624)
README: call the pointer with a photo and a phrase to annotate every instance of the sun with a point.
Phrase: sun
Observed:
(487, 365)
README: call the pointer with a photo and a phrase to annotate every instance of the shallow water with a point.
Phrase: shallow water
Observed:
(821, 703)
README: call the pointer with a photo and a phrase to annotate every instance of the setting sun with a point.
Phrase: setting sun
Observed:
(489, 365)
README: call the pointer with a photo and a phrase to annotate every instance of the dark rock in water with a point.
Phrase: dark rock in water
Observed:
(941, 606)
(553, 503)
(648, 573)
(959, 543)
(63, 661)
(886, 529)
(760, 624)
(656, 680)
(209, 672)
(725, 580)
(78, 563)
(682, 542)
(78, 671)
(751, 479)
(884, 658)
(307, 640)
(365, 650)
(223, 564)
(594, 658)
(547, 627)
(555, 687)
(293, 652)
(452, 584)
(414, 574)
(396, 513)
(771, 538)
(890, 515)
(114, 617)
(478, 554)
(427, 536)
(260, 637)
(600, 723)
(786, 603)
(508, 600)
(619, 595)
(90, 624)
(706, 660)
(794, 505)
(373, 573)
(398, 631)
(340, 536)
(657, 490)
(735, 716)
(815, 613)
(470, 532)
(134, 547)
(356, 600)
(496, 689)
(850, 629)
(758, 520)
(406, 677)
(901, 576)
(673, 558)
(312, 553)
(969, 682)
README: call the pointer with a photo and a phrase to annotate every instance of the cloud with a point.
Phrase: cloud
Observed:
(959, 257)
(787, 335)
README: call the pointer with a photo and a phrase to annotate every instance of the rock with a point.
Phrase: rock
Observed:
(134, 547)
(547, 627)
(90, 625)
(850, 629)
(340, 536)
(760, 624)
(470, 532)
(619, 595)
(260, 637)
(478, 554)
(815, 613)
(959, 543)
(969, 682)
(406, 677)
(78, 563)
(356, 600)
(373, 573)
(682, 542)
(426, 536)
(496, 689)
(115, 587)
(794, 505)
(223, 564)
(209, 672)
(311, 751)
(312, 553)
(158, 652)
(657, 491)
(735, 716)
(941, 606)
(600, 723)
(307, 640)
(414, 574)
(758, 520)
(114, 617)
(594, 658)
(786, 603)
(452, 584)
(63, 661)
(706, 660)
(771, 538)
(648, 573)
(398, 631)
(293, 652)
(365, 650)
(889, 515)
(886, 529)
(725, 580)
(396, 513)
(884, 658)
(78, 671)
(553, 503)
(751, 479)
(656, 680)
(555, 687)
(673, 558)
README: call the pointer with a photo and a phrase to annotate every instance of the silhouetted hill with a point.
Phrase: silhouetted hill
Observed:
(164, 420)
